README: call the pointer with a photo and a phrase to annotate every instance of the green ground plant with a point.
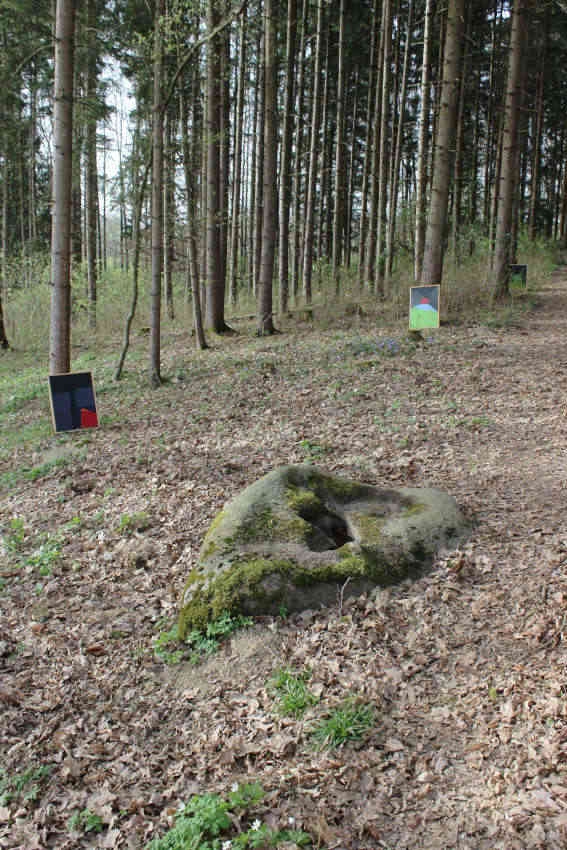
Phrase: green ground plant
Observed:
(200, 643)
(44, 469)
(22, 787)
(129, 523)
(348, 722)
(85, 821)
(46, 555)
(209, 822)
(43, 551)
(289, 688)
(25, 473)
(15, 537)
(312, 450)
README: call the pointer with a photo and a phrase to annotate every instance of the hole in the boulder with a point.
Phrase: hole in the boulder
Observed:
(333, 529)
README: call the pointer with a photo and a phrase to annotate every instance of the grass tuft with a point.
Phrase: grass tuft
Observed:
(290, 690)
(348, 722)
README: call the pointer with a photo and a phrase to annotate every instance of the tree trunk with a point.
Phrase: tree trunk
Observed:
(313, 159)
(224, 151)
(237, 178)
(32, 195)
(338, 223)
(60, 326)
(459, 180)
(215, 281)
(4, 181)
(270, 217)
(422, 150)
(491, 164)
(92, 170)
(537, 139)
(4, 243)
(169, 208)
(351, 171)
(297, 181)
(323, 166)
(259, 159)
(253, 147)
(157, 198)
(188, 159)
(398, 147)
(287, 132)
(508, 170)
(136, 233)
(373, 172)
(76, 190)
(432, 270)
(3, 337)
(121, 118)
(368, 147)
(384, 157)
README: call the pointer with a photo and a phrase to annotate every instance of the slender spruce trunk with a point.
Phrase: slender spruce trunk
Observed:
(265, 323)
(60, 327)
(313, 159)
(238, 148)
(287, 132)
(157, 198)
(508, 182)
(434, 248)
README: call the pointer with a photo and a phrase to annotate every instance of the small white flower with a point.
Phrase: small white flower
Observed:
(234, 787)
(226, 845)
(291, 821)
(256, 825)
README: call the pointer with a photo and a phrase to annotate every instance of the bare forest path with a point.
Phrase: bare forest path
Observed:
(467, 667)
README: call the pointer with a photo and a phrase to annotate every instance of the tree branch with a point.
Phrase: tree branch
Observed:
(185, 61)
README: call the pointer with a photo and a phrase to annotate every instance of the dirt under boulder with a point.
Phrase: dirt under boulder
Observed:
(294, 538)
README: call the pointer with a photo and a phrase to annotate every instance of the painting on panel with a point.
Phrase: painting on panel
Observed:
(424, 307)
(73, 403)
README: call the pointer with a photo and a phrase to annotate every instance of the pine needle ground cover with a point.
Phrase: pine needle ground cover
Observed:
(461, 675)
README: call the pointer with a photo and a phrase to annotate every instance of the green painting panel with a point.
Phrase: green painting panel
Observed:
(518, 275)
(424, 307)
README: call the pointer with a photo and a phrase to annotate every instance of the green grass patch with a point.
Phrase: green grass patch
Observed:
(44, 469)
(348, 722)
(21, 398)
(13, 433)
(291, 693)
(129, 523)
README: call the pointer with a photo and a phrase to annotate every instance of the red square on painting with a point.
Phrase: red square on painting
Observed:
(89, 418)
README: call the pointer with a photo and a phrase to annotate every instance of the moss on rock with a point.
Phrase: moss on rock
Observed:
(298, 534)
(303, 501)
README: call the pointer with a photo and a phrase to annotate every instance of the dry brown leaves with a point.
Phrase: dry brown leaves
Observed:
(466, 667)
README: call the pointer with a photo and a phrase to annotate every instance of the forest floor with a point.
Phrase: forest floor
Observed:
(466, 667)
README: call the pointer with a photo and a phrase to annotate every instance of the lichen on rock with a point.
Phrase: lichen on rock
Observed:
(294, 537)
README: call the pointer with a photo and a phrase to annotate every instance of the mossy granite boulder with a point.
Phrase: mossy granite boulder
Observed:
(292, 539)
